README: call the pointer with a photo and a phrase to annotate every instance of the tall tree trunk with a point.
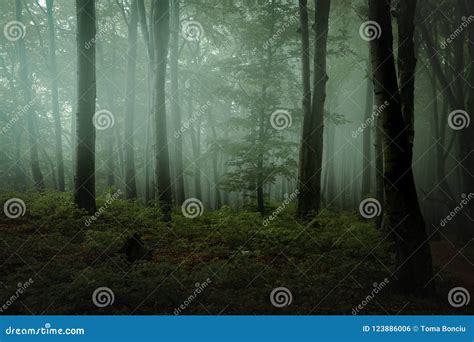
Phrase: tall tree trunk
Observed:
(175, 104)
(312, 139)
(161, 32)
(84, 180)
(55, 96)
(402, 214)
(31, 115)
(366, 149)
(129, 154)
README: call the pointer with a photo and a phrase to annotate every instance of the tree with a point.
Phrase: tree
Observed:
(311, 150)
(31, 123)
(161, 32)
(84, 179)
(402, 214)
(129, 155)
(53, 69)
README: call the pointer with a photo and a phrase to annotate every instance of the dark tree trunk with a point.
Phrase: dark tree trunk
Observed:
(175, 104)
(402, 215)
(161, 32)
(129, 154)
(367, 135)
(55, 96)
(31, 125)
(312, 139)
(84, 180)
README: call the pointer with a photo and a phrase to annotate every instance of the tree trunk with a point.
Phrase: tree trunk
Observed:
(129, 154)
(31, 125)
(366, 149)
(175, 105)
(312, 138)
(402, 215)
(161, 32)
(55, 96)
(84, 180)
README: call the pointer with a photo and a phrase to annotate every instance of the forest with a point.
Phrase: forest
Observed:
(230, 157)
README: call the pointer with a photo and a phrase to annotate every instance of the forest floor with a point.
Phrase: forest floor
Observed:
(330, 267)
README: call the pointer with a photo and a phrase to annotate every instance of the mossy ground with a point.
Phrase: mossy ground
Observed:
(329, 266)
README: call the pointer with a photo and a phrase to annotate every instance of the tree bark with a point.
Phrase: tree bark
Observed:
(311, 151)
(367, 135)
(31, 115)
(55, 96)
(161, 32)
(402, 214)
(175, 104)
(84, 180)
(129, 148)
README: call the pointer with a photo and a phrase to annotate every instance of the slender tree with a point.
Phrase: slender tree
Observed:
(129, 154)
(31, 119)
(84, 180)
(161, 32)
